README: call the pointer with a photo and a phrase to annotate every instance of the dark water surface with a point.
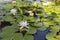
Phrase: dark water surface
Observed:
(0, 38)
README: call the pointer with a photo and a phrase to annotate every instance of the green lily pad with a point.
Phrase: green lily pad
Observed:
(28, 37)
(8, 18)
(17, 36)
(31, 30)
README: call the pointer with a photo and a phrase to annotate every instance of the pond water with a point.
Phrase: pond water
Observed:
(1, 4)
(0, 38)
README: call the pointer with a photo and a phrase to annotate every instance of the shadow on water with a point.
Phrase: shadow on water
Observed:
(0, 38)
(58, 33)
(22, 32)
(4, 23)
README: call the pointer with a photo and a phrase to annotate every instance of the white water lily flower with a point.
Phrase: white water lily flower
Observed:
(30, 13)
(13, 11)
(47, 3)
(13, 2)
(23, 24)
(44, 4)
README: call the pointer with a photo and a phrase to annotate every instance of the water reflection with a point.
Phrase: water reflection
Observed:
(1, 4)
(0, 38)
